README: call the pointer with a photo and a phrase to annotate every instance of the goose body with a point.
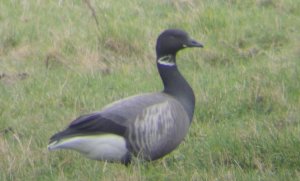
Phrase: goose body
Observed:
(149, 125)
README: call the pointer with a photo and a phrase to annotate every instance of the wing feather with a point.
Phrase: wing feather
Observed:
(114, 118)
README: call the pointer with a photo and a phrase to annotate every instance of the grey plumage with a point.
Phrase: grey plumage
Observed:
(148, 125)
(152, 120)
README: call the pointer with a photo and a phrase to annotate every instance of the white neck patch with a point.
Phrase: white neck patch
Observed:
(167, 60)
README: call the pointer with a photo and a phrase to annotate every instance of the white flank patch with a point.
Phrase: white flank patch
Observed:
(108, 147)
(166, 60)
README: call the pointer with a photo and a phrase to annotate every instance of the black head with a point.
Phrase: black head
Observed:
(171, 41)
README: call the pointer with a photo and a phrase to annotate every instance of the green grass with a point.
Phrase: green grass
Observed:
(56, 63)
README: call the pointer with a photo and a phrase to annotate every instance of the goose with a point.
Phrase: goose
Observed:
(147, 126)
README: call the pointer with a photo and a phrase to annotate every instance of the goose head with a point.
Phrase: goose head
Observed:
(170, 41)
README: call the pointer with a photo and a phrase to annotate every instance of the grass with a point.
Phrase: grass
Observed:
(56, 63)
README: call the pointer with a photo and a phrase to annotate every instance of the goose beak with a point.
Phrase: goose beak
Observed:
(193, 43)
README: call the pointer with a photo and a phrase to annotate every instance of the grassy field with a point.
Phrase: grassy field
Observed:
(60, 59)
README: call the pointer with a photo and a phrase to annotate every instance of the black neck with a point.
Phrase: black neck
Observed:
(176, 86)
